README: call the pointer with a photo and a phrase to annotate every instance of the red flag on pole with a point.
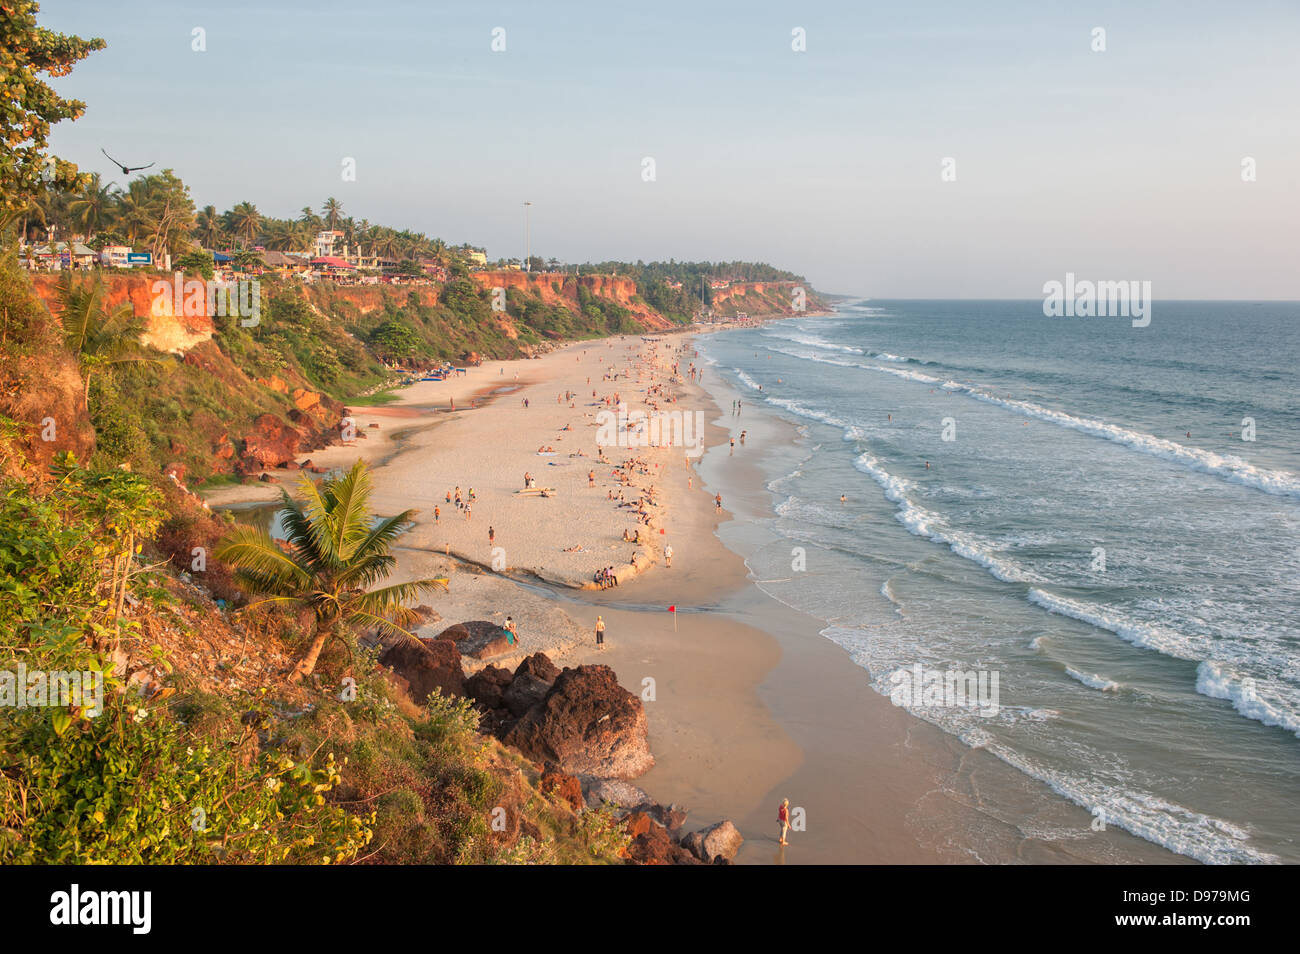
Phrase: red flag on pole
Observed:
(673, 609)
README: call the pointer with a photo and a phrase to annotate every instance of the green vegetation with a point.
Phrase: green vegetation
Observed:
(30, 106)
(127, 783)
(336, 553)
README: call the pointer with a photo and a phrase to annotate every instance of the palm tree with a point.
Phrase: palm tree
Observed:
(335, 552)
(331, 211)
(137, 211)
(243, 220)
(95, 334)
(92, 207)
(208, 226)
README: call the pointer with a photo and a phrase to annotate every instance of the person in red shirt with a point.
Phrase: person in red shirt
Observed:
(783, 819)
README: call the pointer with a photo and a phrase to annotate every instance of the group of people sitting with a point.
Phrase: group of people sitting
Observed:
(605, 578)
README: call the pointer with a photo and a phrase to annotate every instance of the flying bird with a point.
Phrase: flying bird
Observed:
(126, 170)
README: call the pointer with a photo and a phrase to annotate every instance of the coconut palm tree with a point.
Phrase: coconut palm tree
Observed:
(336, 551)
(137, 211)
(331, 211)
(244, 220)
(207, 226)
(92, 207)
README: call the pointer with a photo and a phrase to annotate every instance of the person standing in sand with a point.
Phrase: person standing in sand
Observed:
(668, 555)
(783, 819)
(600, 631)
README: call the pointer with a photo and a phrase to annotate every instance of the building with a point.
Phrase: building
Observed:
(332, 267)
(61, 255)
(326, 239)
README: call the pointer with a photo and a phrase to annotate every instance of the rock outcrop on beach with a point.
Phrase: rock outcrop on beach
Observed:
(586, 723)
(419, 667)
(478, 639)
(586, 733)
(716, 844)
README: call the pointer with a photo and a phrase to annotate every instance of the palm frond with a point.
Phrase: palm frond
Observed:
(257, 557)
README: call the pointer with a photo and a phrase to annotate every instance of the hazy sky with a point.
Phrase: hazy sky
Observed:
(1123, 164)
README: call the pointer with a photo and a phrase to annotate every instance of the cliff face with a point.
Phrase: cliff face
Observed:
(175, 334)
(764, 298)
(559, 288)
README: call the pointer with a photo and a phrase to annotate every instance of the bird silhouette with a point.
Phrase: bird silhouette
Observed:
(126, 170)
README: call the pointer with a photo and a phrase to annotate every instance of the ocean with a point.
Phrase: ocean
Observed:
(1106, 517)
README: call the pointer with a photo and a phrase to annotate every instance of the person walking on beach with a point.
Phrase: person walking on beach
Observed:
(600, 631)
(591, 478)
(783, 819)
(668, 555)
(492, 535)
(717, 503)
(437, 514)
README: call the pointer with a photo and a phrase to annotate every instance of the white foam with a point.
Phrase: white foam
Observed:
(1216, 680)
(1090, 680)
(1226, 466)
(923, 523)
(1147, 635)
(812, 341)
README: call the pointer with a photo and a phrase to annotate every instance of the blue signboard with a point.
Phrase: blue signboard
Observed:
(139, 258)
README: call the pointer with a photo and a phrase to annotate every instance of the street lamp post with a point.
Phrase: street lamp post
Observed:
(528, 249)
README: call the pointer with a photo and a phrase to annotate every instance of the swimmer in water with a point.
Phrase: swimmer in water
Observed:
(842, 498)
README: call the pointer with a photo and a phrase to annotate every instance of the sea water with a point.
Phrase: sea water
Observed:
(1106, 516)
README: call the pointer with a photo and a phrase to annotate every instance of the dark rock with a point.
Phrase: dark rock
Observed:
(487, 685)
(523, 693)
(426, 666)
(540, 667)
(651, 844)
(479, 638)
(587, 723)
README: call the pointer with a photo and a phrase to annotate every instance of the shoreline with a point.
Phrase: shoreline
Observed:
(746, 702)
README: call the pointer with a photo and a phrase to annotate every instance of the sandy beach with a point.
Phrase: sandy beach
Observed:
(746, 703)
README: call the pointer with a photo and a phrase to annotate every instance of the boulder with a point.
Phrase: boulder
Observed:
(598, 791)
(524, 692)
(479, 638)
(539, 666)
(587, 723)
(651, 844)
(487, 685)
(485, 647)
(720, 841)
(426, 666)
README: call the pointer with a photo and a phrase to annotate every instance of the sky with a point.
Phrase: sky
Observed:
(1121, 164)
